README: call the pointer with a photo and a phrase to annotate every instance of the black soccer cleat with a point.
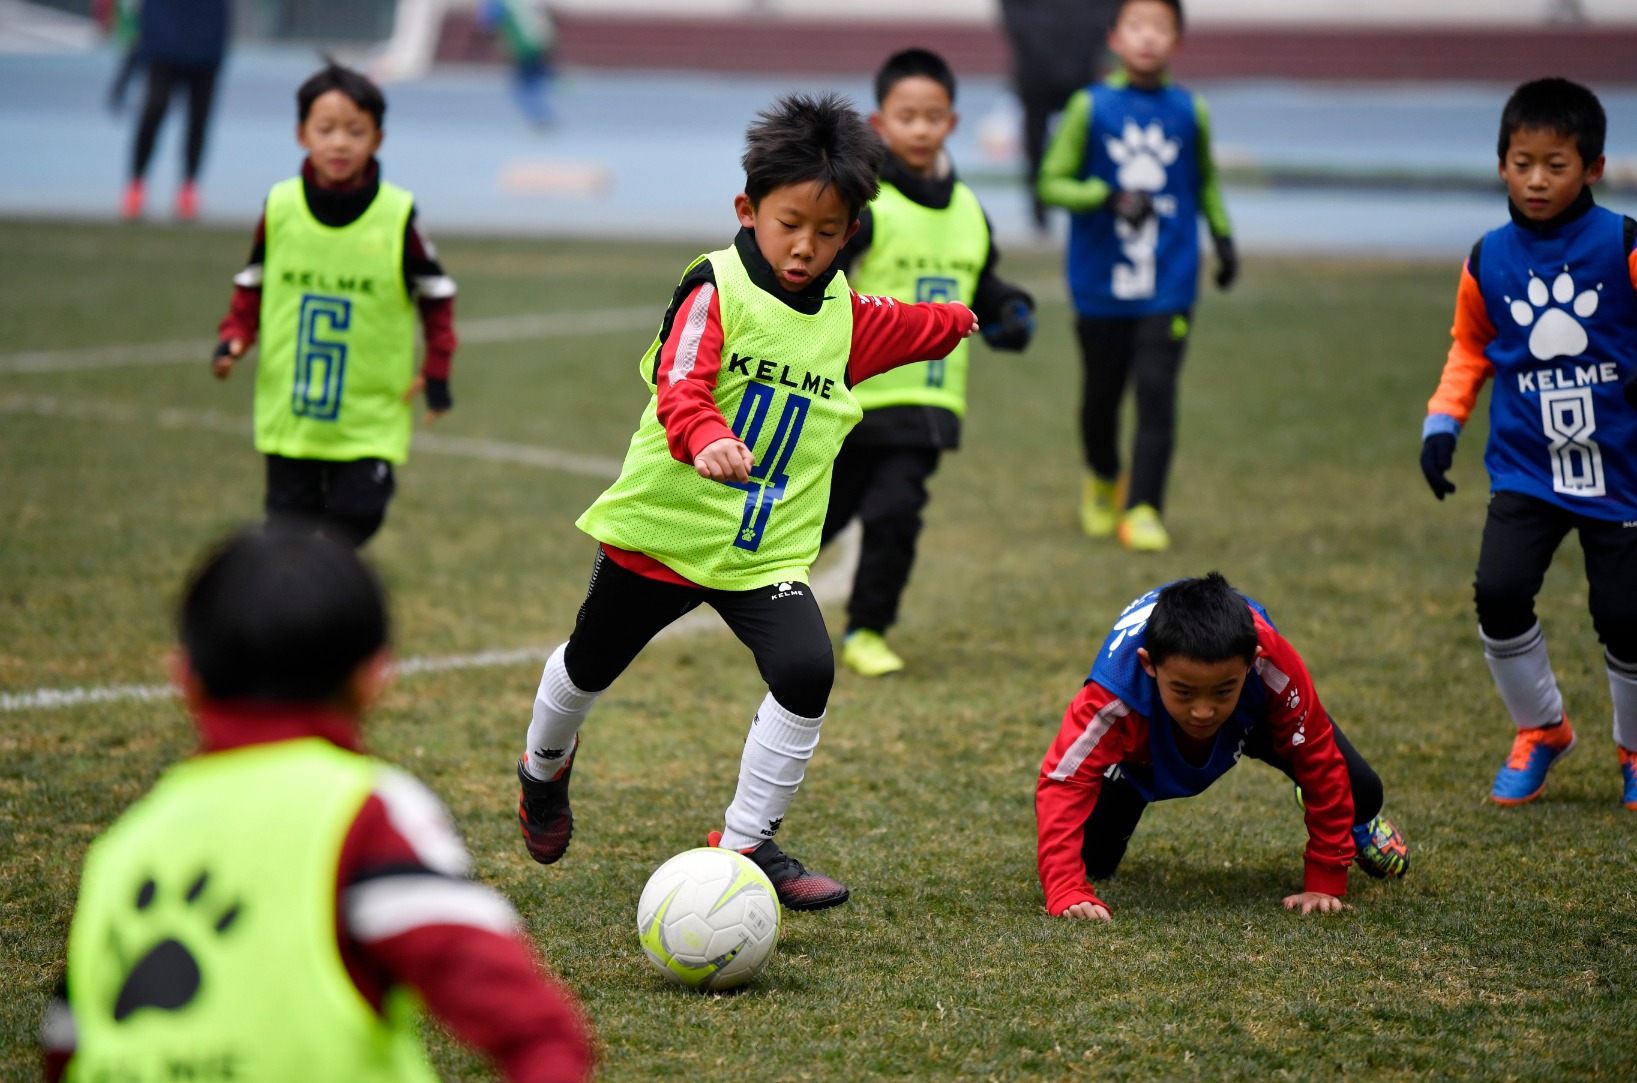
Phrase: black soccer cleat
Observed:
(798, 887)
(543, 812)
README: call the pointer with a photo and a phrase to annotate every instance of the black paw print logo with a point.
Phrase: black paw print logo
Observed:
(167, 976)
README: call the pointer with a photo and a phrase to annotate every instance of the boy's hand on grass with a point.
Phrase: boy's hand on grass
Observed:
(1088, 911)
(227, 352)
(726, 459)
(1309, 902)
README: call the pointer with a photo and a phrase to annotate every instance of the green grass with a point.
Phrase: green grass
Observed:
(1506, 954)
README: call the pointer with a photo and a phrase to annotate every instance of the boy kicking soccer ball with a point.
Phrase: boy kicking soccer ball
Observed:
(1548, 308)
(724, 488)
(1192, 677)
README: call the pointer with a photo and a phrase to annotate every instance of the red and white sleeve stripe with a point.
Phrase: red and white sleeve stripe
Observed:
(689, 360)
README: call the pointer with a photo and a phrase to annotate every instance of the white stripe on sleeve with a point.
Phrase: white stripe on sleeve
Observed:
(251, 277)
(687, 351)
(1272, 676)
(1100, 724)
(434, 287)
(417, 815)
(385, 907)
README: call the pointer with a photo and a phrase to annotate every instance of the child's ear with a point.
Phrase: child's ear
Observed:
(1594, 172)
(745, 209)
(852, 229)
(1147, 666)
(954, 121)
(365, 685)
(875, 122)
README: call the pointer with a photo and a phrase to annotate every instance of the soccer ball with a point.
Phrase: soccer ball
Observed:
(708, 919)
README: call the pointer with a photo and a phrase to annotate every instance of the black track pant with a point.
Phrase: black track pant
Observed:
(1147, 352)
(1120, 805)
(886, 488)
(1520, 535)
(347, 501)
(163, 79)
(780, 623)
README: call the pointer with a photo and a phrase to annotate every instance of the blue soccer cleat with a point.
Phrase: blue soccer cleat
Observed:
(1534, 750)
(1381, 849)
(1628, 774)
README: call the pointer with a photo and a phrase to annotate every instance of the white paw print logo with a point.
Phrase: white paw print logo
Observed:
(1556, 333)
(1142, 153)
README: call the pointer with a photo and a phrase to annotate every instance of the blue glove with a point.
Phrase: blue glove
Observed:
(1015, 328)
(1437, 453)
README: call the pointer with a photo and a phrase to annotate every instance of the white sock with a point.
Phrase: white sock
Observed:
(1524, 677)
(1623, 691)
(776, 754)
(559, 709)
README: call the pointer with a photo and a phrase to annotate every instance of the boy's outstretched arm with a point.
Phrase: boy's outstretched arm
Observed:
(1464, 374)
(434, 293)
(1059, 183)
(1211, 204)
(889, 333)
(1097, 731)
(1303, 737)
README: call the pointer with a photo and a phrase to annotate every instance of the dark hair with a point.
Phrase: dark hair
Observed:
(355, 85)
(802, 138)
(1174, 5)
(280, 614)
(1556, 105)
(907, 63)
(1204, 619)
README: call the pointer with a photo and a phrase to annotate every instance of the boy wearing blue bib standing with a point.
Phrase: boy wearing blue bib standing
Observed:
(924, 238)
(721, 498)
(1131, 161)
(1547, 307)
(1192, 677)
(335, 278)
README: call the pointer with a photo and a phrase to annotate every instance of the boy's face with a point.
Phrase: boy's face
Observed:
(915, 118)
(1144, 36)
(340, 139)
(1544, 172)
(799, 228)
(1199, 696)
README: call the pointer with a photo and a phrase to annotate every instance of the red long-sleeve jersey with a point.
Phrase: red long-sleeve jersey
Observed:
(1101, 731)
(886, 334)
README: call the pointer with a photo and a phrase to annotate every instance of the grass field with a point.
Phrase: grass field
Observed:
(1508, 952)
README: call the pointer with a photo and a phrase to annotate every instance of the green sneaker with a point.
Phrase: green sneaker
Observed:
(1142, 532)
(864, 651)
(1099, 515)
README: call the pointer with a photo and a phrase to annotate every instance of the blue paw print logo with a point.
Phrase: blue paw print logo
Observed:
(166, 976)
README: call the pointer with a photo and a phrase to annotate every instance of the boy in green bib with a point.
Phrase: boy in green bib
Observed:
(925, 238)
(337, 272)
(281, 905)
(722, 496)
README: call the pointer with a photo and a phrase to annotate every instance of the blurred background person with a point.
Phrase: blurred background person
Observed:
(181, 44)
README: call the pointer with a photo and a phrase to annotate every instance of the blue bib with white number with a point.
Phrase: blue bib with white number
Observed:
(1565, 318)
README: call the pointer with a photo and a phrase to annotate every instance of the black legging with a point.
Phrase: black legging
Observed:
(163, 80)
(1148, 351)
(885, 487)
(1120, 805)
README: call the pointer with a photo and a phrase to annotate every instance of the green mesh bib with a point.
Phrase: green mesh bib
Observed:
(917, 254)
(337, 332)
(783, 389)
(204, 943)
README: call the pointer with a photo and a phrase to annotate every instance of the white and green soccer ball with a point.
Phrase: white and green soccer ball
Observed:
(708, 919)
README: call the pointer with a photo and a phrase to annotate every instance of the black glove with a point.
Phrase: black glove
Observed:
(437, 394)
(1227, 262)
(1132, 208)
(1437, 453)
(1015, 329)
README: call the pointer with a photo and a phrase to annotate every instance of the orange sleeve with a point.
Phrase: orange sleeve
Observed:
(1467, 368)
(1631, 263)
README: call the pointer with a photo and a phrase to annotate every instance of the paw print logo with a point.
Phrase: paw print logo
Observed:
(1142, 154)
(166, 976)
(1556, 333)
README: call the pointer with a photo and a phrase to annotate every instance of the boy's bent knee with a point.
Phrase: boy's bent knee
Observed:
(802, 686)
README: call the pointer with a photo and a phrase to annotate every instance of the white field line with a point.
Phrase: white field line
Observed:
(198, 351)
(466, 447)
(833, 583)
